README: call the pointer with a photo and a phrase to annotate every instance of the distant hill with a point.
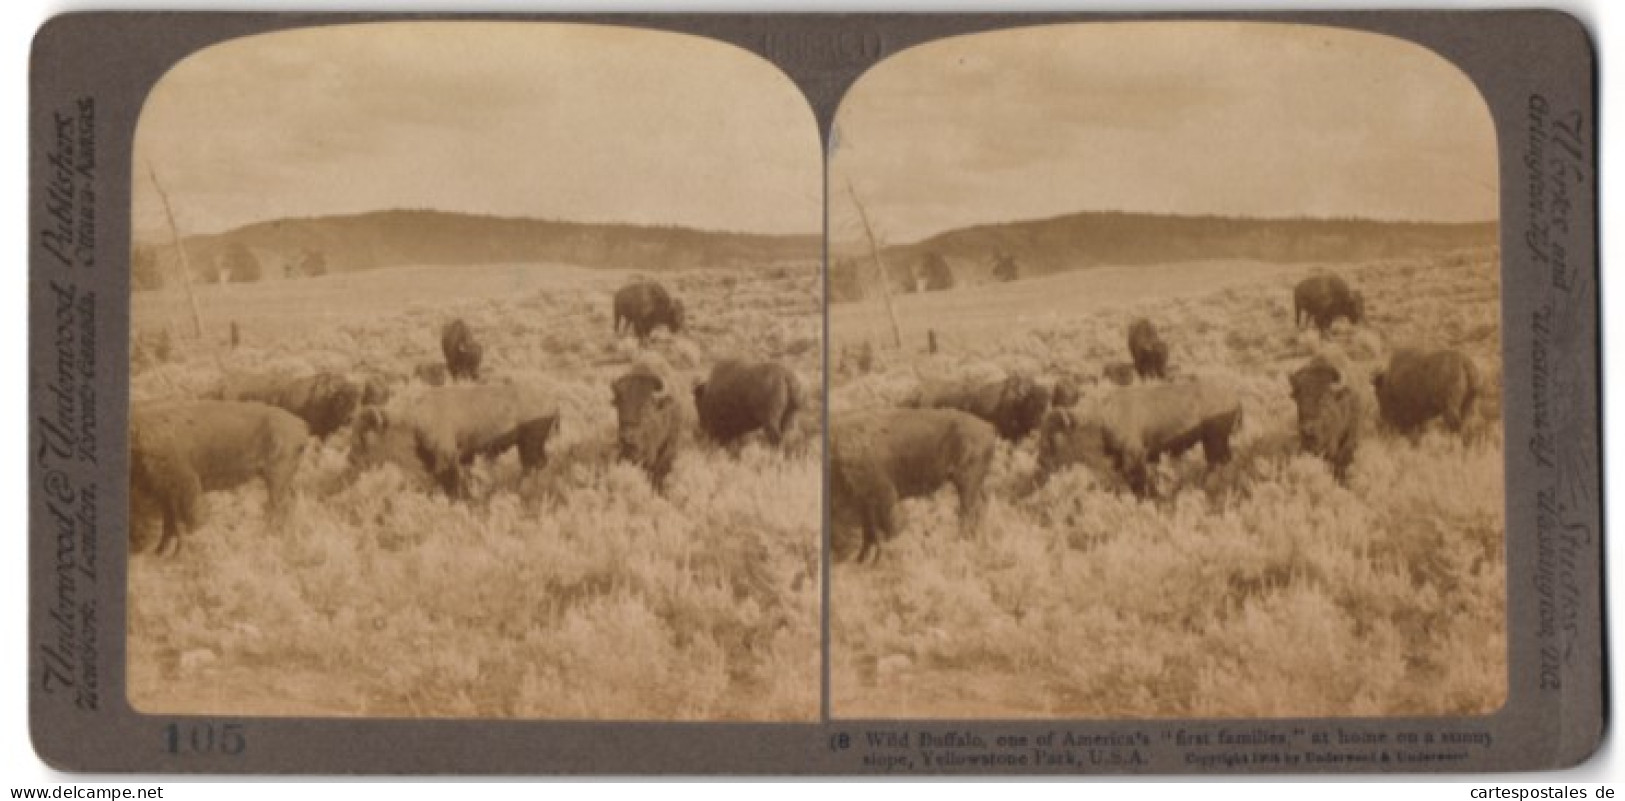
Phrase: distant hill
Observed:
(344, 243)
(1089, 239)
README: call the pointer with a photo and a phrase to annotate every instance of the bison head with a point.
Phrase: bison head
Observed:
(366, 435)
(332, 402)
(1318, 390)
(1066, 393)
(641, 409)
(1066, 439)
(374, 390)
(1022, 404)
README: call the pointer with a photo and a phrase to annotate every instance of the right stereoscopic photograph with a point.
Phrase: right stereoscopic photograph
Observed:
(1165, 378)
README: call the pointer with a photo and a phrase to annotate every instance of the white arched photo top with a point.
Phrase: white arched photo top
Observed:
(1225, 118)
(564, 121)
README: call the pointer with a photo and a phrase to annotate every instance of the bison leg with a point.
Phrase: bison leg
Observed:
(1456, 415)
(279, 483)
(870, 546)
(660, 469)
(879, 523)
(454, 481)
(182, 512)
(171, 534)
(879, 519)
(968, 482)
(1216, 445)
(1340, 465)
(532, 437)
(180, 491)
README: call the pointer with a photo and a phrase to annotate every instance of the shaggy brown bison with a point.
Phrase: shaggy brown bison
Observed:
(326, 401)
(1146, 348)
(1132, 428)
(740, 397)
(1321, 299)
(178, 451)
(1014, 405)
(446, 428)
(1328, 414)
(644, 305)
(878, 457)
(463, 353)
(649, 423)
(1418, 386)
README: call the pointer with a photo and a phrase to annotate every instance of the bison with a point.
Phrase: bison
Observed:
(326, 401)
(1132, 428)
(1146, 348)
(1014, 405)
(463, 353)
(1321, 299)
(740, 397)
(644, 305)
(649, 422)
(1329, 414)
(446, 428)
(878, 457)
(180, 450)
(1417, 387)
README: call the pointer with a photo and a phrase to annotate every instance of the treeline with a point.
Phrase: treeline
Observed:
(317, 245)
(1006, 251)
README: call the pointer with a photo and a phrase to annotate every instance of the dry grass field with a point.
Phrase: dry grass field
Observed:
(1265, 588)
(577, 593)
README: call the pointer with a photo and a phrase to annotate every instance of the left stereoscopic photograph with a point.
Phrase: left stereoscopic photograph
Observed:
(475, 371)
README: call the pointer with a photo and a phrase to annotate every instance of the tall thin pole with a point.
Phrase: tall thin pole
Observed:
(880, 266)
(180, 250)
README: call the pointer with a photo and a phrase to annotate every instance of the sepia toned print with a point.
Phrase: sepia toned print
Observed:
(1165, 379)
(475, 372)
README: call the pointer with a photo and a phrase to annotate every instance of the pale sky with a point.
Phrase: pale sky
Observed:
(573, 122)
(1225, 118)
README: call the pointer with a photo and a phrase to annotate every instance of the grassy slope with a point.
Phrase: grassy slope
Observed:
(578, 593)
(1266, 589)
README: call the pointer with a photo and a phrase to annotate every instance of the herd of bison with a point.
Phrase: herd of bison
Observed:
(946, 431)
(258, 425)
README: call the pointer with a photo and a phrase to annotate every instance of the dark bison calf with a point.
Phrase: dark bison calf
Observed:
(1146, 348)
(446, 428)
(1329, 414)
(1417, 387)
(1014, 405)
(740, 397)
(1134, 427)
(649, 423)
(463, 353)
(326, 401)
(1321, 299)
(878, 457)
(644, 305)
(178, 451)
